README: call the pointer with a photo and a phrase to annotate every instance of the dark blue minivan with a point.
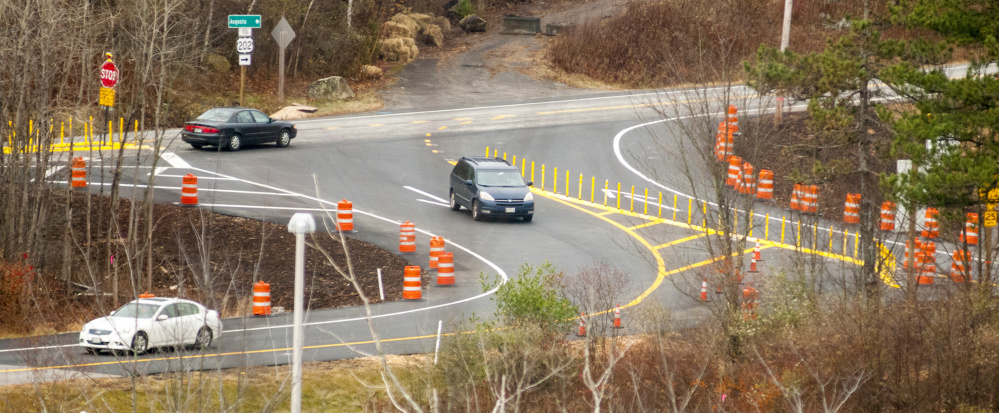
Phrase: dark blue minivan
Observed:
(490, 187)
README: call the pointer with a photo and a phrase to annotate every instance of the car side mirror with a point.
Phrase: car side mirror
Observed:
(530, 183)
(469, 182)
(162, 317)
(270, 120)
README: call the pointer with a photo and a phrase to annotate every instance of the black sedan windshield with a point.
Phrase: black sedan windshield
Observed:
(220, 115)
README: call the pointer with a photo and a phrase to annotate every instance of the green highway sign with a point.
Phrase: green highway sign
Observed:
(244, 21)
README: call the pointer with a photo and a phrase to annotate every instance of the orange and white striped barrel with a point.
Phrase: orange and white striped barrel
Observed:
(887, 216)
(765, 190)
(79, 173)
(931, 224)
(811, 204)
(851, 209)
(970, 233)
(733, 118)
(796, 197)
(929, 263)
(747, 185)
(959, 268)
(345, 216)
(436, 248)
(407, 237)
(908, 251)
(261, 298)
(734, 165)
(445, 269)
(189, 190)
(411, 287)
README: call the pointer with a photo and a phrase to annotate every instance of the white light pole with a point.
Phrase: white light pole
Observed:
(785, 38)
(301, 223)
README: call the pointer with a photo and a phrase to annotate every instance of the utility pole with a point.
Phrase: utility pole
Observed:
(785, 38)
(300, 224)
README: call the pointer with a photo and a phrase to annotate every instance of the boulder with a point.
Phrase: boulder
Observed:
(392, 29)
(410, 24)
(295, 111)
(217, 63)
(421, 19)
(399, 49)
(432, 35)
(472, 24)
(330, 88)
(443, 23)
(371, 72)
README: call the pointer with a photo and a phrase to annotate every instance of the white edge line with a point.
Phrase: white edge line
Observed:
(442, 200)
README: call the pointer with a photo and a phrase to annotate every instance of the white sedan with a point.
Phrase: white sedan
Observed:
(152, 322)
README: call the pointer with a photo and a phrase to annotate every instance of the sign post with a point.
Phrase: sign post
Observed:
(109, 78)
(245, 23)
(283, 34)
(991, 199)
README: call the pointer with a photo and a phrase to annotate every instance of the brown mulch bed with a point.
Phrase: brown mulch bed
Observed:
(187, 244)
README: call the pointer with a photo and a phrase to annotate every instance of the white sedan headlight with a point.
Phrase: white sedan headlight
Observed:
(485, 196)
(529, 197)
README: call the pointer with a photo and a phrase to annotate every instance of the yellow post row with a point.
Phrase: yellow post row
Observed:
(618, 195)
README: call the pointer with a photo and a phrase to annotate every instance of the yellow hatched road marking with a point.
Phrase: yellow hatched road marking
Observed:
(647, 224)
(681, 240)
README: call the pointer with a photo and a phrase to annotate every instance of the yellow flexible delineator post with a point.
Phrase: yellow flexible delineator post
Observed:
(690, 210)
(815, 236)
(606, 190)
(735, 220)
(660, 205)
(514, 161)
(31, 125)
(495, 153)
(646, 208)
(618, 195)
(487, 152)
(555, 180)
(846, 235)
(593, 188)
(567, 183)
(121, 131)
(110, 133)
(62, 132)
(71, 130)
(783, 223)
(532, 171)
(675, 207)
(830, 237)
(766, 227)
(523, 166)
(542, 177)
(704, 216)
(797, 241)
(856, 244)
(136, 135)
(632, 207)
(504, 156)
(580, 194)
(749, 221)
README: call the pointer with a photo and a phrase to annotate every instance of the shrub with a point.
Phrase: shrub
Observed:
(533, 298)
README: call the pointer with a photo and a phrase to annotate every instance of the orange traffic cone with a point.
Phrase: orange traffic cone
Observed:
(756, 252)
(617, 316)
(582, 325)
(752, 265)
(704, 290)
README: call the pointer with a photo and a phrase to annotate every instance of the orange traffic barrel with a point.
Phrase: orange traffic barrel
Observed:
(811, 199)
(765, 189)
(79, 173)
(970, 233)
(887, 216)
(445, 269)
(932, 226)
(146, 295)
(345, 216)
(582, 325)
(261, 298)
(436, 248)
(411, 287)
(796, 197)
(407, 237)
(747, 184)
(734, 164)
(189, 190)
(733, 118)
(959, 268)
(851, 209)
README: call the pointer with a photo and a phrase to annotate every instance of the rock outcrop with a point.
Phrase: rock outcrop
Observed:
(472, 24)
(330, 89)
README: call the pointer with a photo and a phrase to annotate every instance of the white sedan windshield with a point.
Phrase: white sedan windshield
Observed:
(500, 178)
(135, 310)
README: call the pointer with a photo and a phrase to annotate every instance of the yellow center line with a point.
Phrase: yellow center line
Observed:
(333, 127)
(466, 122)
(502, 117)
(376, 124)
(462, 119)
(420, 121)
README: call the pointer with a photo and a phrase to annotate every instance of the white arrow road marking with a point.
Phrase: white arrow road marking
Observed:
(174, 160)
(609, 193)
(53, 170)
(436, 198)
(435, 203)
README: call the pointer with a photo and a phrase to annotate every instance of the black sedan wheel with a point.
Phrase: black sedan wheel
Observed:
(234, 143)
(285, 139)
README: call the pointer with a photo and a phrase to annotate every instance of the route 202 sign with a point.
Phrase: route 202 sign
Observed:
(109, 74)
(244, 45)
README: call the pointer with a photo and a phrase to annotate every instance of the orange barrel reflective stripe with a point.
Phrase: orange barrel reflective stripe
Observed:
(445, 269)
(851, 209)
(345, 216)
(766, 188)
(79, 173)
(887, 216)
(932, 226)
(407, 237)
(734, 162)
(748, 184)
(436, 248)
(959, 268)
(796, 198)
(261, 298)
(189, 190)
(146, 295)
(970, 233)
(411, 289)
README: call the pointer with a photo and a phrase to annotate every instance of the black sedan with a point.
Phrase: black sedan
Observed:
(232, 128)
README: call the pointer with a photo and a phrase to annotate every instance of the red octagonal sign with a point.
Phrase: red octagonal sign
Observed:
(109, 74)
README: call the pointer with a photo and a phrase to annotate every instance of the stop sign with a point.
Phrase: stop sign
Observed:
(109, 74)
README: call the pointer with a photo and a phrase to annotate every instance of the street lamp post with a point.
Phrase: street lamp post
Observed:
(301, 223)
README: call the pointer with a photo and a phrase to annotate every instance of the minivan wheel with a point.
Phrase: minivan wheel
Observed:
(476, 215)
(454, 203)
(528, 218)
